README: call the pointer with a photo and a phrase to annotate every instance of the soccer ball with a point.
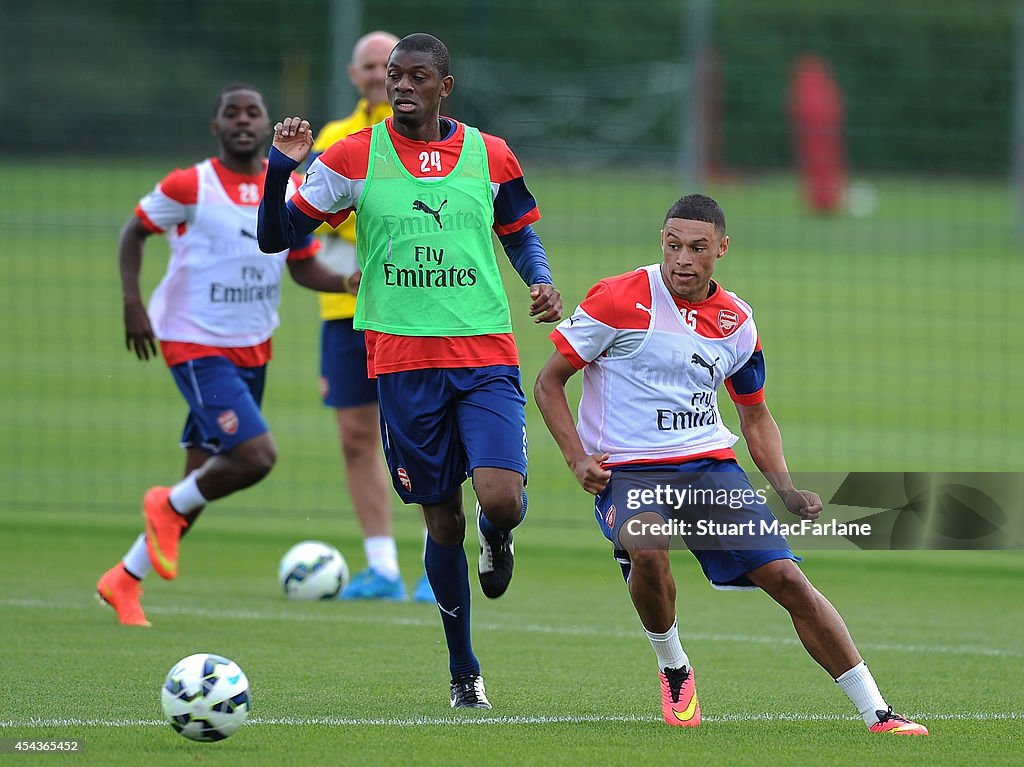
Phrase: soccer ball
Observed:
(205, 697)
(312, 570)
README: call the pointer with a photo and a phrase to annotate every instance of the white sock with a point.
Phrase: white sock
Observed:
(185, 496)
(667, 648)
(382, 555)
(136, 561)
(860, 688)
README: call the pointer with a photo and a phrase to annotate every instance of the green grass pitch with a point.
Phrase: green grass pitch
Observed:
(570, 674)
(892, 344)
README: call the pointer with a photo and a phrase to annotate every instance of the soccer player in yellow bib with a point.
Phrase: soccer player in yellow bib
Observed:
(344, 383)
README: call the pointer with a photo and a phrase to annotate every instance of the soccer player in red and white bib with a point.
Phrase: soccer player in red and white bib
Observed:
(655, 346)
(213, 313)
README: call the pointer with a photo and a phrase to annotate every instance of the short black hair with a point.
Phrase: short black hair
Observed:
(420, 42)
(232, 89)
(698, 207)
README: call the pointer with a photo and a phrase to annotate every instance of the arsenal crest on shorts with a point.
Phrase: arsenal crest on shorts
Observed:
(228, 422)
(727, 321)
(403, 477)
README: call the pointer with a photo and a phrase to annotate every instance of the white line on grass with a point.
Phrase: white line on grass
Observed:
(426, 721)
(528, 628)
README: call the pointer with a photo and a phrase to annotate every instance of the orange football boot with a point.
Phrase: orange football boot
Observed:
(890, 721)
(679, 703)
(164, 527)
(121, 591)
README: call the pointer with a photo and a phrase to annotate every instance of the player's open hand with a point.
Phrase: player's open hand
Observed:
(138, 332)
(804, 504)
(591, 475)
(293, 137)
(547, 303)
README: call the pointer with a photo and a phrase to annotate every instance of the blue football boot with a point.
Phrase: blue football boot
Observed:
(369, 584)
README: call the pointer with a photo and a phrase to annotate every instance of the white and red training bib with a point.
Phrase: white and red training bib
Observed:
(652, 365)
(219, 289)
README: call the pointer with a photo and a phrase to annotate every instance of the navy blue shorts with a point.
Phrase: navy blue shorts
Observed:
(724, 566)
(224, 403)
(343, 379)
(439, 425)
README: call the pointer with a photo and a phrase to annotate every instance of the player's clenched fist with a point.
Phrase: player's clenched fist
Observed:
(590, 473)
(293, 137)
(804, 503)
(547, 303)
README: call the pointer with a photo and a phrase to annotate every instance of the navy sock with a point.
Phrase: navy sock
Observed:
(448, 573)
(490, 529)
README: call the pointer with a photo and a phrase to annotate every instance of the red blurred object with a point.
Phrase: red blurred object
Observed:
(816, 113)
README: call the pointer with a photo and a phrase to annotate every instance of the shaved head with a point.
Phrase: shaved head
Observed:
(369, 64)
(373, 40)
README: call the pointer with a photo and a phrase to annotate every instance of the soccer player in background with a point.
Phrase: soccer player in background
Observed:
(213, 314)
(655, 345)
(344, 384)
(428, 191)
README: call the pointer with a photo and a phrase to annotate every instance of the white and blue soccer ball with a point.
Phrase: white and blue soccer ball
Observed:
(206, 697)
(312, 570)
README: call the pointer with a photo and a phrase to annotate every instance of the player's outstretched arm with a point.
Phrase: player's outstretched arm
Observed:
(549, 393)
(314, 274)
(764, 441)
(138, 332)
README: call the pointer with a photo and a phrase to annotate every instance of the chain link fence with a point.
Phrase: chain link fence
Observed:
(889, 315)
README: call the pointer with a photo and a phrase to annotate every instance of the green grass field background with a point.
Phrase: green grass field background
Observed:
(892, 342)
(340, 683)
